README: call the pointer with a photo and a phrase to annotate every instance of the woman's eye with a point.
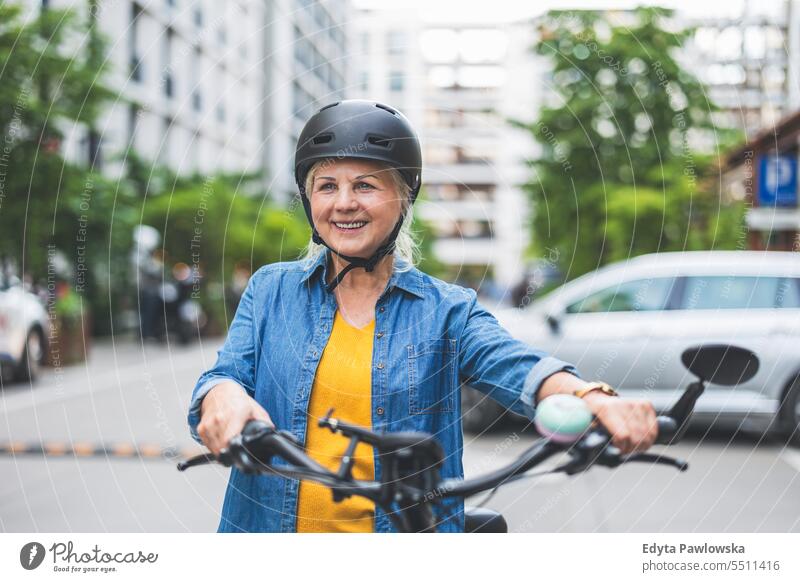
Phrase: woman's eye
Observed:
(326, 186)
(364, 186)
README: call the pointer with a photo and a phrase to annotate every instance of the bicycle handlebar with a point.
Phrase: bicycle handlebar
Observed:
(411, 460)
(259, 443)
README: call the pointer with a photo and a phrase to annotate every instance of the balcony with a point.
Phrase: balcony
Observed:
(459, 251)
(440, 210)
(472, 173)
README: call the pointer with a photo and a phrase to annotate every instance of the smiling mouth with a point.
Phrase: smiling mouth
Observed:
(350, 226)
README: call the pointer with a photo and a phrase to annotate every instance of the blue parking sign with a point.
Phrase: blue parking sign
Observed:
(777, 180)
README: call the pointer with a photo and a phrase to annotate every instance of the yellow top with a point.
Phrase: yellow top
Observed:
(343, 382)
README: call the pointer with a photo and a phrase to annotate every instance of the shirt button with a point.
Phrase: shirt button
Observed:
(314, 354)
(379, 410)
(380, 334)
(382, 309)
(380, 365)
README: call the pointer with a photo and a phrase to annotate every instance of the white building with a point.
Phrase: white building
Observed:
(306, 66)
(458, 83)
(749, 63)
(209, 86)
(387, 60)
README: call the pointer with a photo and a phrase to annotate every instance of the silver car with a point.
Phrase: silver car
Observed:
(628, 323)
(23, 331)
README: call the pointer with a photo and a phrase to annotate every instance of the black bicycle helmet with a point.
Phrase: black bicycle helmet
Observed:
(366, 130)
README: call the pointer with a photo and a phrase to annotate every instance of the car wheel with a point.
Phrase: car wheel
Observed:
(32, 357)
(790, 412)
(479, 413)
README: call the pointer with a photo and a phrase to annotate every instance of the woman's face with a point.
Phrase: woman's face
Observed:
(355, 205)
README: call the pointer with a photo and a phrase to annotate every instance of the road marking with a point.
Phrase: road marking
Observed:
(84, 449)
(792, 458)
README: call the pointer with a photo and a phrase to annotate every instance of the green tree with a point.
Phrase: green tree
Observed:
(51, 83)
(620, 174)
(425, 236)
(214, 223)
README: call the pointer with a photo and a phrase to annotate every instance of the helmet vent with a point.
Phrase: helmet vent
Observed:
(386, 108)
(322, 138)
(381, 142)
(330, 105)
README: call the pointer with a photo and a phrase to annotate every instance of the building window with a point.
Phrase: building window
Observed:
(133, 121)
(197, 102)
(303, 101)
(197, 150)
(165, 152)
(136, 69)
(133, 39)
(169, 38)
(395, 42)
(396, 81)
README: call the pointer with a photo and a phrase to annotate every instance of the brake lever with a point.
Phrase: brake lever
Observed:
(656, 460)
(236, 454)
(595, 448)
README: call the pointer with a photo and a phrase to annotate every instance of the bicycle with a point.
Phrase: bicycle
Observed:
(410, 485)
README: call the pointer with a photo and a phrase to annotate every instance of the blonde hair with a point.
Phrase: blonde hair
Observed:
(405, 246)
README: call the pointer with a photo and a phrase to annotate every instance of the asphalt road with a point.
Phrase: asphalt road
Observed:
(129, 393)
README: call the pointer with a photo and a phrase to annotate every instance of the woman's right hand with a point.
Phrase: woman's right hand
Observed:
(224, 412)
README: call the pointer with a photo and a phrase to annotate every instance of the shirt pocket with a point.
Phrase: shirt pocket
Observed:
(432, 376)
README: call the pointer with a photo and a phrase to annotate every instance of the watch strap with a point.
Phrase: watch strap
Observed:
(595, 386)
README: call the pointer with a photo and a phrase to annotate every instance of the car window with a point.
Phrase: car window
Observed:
(640, 295)
(789, 293)
(734, 292)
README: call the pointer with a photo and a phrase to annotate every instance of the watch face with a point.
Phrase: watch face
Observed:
(609, 390)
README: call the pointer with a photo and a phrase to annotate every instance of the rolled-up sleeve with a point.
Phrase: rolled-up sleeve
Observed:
(235, 360)
(502, 367)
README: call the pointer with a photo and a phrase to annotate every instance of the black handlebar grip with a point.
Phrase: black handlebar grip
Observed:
(667, 430)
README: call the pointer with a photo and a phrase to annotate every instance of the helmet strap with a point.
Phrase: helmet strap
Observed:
(359, 262)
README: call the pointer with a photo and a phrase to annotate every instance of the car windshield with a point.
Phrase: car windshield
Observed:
(640, 295)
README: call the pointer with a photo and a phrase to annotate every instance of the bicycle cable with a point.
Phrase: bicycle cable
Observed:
(511, 480)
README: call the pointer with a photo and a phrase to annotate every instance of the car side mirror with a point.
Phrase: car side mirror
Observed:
(553, 319)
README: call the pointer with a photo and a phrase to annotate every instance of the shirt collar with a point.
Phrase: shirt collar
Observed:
(408, 280)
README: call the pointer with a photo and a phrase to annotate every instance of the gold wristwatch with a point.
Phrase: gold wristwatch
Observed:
(592, 386)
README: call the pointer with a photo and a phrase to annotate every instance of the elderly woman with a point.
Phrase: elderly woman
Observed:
(355, 327)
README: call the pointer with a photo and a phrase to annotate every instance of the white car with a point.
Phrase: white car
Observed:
(628, 323)
(23, 331)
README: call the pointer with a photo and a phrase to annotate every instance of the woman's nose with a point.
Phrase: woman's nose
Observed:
(346, 199)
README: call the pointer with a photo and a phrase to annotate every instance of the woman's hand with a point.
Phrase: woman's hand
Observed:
(224, 412)
(631, 422)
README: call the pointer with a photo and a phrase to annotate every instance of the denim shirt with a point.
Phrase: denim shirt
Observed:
(431, 338)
